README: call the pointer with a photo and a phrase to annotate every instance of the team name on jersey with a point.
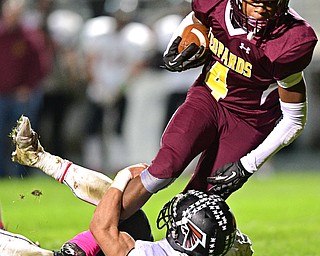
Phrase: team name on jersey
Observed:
(228, 58)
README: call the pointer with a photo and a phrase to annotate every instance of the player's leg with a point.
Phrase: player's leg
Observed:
(229, 147)
(86, 184)
(16, 245)
(242, 245)
(190, 131)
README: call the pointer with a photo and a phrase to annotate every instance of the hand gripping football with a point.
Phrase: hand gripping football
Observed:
(195, 33)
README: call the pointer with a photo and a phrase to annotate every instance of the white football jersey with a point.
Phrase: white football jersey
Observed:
(159, 248)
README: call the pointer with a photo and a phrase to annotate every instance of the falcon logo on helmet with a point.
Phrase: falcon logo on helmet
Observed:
(193, 235)
(198, 224)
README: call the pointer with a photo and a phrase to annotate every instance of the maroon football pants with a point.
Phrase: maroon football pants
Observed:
(202, 125)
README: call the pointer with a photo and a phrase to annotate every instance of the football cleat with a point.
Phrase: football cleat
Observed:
(28, 147)
(72, 249)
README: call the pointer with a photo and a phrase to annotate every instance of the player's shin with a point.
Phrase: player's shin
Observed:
(90, 185)
(86, 184)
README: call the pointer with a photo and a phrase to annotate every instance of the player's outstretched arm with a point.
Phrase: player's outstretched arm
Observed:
(105, 221)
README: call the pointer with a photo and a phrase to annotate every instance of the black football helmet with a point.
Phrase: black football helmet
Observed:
(198, 224)
(253, 25)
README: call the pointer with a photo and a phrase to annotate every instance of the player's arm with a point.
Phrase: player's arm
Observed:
(292, 92)
(294, 115)
(191, 57)
(135, 196)
(139, 190)
(105, 221)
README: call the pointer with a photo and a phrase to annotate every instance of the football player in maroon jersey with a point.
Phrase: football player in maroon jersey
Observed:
(248, 102)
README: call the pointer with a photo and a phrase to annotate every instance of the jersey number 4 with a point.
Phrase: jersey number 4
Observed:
(216, 80)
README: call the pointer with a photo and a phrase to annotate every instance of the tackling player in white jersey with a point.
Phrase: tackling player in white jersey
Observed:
(197, 223)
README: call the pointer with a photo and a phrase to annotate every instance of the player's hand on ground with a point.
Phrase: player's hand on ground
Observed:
(136, 169)
(228, 179)
(27, 143)
(191, 57)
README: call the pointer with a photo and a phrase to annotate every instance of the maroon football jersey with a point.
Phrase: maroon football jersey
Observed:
(242, 74)
(234, 104)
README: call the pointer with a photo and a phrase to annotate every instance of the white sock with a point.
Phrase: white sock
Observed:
(54, 166)
(86, 184)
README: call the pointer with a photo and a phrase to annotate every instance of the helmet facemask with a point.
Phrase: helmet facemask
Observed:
(255, 26)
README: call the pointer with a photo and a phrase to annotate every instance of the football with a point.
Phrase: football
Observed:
(195, 33)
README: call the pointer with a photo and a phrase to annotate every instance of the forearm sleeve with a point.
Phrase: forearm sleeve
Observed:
(286, 131)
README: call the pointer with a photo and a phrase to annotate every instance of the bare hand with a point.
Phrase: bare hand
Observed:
(136, 169)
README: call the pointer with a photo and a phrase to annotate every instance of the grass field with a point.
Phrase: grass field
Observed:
(280, 212)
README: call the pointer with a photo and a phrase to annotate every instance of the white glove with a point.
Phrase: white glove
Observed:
(242, 245)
